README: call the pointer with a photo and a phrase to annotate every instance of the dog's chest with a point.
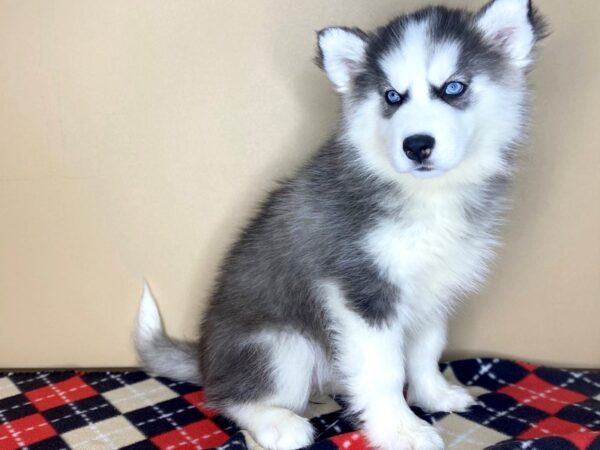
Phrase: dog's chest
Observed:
(431, 252)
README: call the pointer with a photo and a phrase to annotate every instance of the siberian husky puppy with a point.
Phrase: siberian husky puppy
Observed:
(345, 278)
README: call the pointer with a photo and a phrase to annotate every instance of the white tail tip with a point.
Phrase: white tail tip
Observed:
(148, 322)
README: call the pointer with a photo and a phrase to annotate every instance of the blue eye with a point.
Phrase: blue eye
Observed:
(392, 97)
(454, 88)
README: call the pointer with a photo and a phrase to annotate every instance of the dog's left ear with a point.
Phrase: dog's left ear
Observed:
(514, 26)
(341, 54)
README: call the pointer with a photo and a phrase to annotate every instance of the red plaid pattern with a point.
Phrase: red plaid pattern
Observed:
(519, 406)
(56, 394)
(24, 432)
(542, 395)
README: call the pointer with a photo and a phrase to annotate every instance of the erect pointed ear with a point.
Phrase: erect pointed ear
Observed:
(341, 54)
(514, 26)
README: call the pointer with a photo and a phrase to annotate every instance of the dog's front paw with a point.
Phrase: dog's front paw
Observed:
(418, 435)
(443, 397)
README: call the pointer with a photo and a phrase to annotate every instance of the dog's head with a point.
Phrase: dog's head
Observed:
(436, 88)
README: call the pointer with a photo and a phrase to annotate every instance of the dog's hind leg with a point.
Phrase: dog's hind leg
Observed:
(275, 421)
(273, 427)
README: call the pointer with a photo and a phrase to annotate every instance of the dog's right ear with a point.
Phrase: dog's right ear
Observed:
(341, 54)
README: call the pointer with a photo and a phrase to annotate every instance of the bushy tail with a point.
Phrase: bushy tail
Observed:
(159, 354)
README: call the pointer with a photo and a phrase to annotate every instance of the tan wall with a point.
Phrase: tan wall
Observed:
(135, 138)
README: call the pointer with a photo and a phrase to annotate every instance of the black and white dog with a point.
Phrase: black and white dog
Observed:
(345, 279)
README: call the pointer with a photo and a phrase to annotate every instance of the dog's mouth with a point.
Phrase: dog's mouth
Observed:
(424, 171)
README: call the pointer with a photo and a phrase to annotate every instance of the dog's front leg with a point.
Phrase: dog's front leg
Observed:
(427, 388)
(372, 365)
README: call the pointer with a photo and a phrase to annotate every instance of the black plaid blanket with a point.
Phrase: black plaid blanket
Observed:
(520, 406)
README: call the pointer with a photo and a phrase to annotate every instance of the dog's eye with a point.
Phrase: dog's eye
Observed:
(454, 88)
(392, 97)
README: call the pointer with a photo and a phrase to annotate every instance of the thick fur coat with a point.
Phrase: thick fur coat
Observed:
(344, 280)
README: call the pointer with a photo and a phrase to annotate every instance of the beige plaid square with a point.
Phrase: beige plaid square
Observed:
(139, 395)
(110, 433)
(462, 434)
(7, 388)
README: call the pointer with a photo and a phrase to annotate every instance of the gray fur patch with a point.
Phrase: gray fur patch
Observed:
(307, 230)
(174, 359)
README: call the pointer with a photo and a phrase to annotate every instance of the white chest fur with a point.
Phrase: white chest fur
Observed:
(432, 252)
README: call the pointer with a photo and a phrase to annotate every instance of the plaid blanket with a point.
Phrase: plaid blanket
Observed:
(520, 406)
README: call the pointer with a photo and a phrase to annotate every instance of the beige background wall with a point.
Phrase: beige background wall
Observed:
(135, 138)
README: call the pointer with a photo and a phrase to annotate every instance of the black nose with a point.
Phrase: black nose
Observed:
(418, 147)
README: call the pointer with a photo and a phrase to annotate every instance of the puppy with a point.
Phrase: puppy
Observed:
(345, 278)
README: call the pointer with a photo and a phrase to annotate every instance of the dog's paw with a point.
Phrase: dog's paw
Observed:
(444, 397)
(283, 430)
(416, 436)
